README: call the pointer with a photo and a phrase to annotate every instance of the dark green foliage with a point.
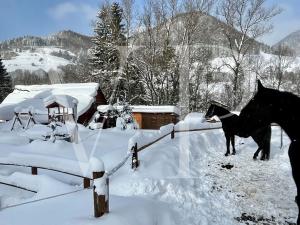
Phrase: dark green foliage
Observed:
(131, 86)
(5, 82)
(105, 55)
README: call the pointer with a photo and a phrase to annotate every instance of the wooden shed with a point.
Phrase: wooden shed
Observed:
(153, 117)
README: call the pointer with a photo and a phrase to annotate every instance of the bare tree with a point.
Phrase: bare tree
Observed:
(251, 18)
(191, 13)
(155, 57)
(281, 61)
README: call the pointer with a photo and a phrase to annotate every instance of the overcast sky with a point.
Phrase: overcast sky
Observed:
(44, 17)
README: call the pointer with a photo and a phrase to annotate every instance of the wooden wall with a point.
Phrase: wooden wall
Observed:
(86, 117)
(154, 120)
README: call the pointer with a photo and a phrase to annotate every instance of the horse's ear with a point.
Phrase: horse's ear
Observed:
(260, 87)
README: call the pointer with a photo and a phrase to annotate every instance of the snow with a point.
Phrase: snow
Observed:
(63, 100)
(77, 209)
(41, 58)
(142, 138)
(195, 121)
(96, 165)
(179, 181)
(144, 109)
(33, 96)
(39, 160)
(13, 139)
(100, 186)
(266, 59)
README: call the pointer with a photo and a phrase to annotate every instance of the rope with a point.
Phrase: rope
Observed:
(19, 187)
(42, 199)
(44, 168)
(117, 167)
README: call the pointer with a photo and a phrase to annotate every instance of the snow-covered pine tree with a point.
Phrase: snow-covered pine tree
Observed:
(132, 84)
(5, 82)
(105, 55)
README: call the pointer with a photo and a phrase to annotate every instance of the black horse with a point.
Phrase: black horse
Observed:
(230, 127)
(268, 106)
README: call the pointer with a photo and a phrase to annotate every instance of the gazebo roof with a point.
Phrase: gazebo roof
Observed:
(66, 101)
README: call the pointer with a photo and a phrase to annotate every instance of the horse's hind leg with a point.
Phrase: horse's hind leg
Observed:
(256, 153)
(294, 155)
(266, 144)
(233, 145)
(227, 145)
(267, 150)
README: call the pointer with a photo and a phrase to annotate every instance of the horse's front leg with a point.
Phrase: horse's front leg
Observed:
(233, 144)
(227, 145)
(294, 154)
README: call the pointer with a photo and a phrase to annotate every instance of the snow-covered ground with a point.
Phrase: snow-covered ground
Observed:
(186, 180)
(40, 58)
(263, 59)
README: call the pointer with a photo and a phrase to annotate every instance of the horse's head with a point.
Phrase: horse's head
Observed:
(211, 111)
(256, 114)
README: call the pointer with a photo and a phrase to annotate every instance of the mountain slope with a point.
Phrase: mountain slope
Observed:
(292, 41)
(208, 32)
(44, 53)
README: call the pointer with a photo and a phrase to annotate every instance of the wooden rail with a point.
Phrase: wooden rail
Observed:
(176, 131)
(136, 149)
(16, 186)
(34, 171)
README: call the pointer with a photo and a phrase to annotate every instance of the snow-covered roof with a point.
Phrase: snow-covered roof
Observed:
(33, 97)
(63, 100)
(145, 109)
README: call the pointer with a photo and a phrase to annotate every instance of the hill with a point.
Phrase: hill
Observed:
(33, 54)
(292, 41)
(208, 32)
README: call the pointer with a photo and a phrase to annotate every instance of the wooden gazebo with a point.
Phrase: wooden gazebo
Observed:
(62, 107)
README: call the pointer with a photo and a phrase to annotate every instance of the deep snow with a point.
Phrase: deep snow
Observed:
(179, 181)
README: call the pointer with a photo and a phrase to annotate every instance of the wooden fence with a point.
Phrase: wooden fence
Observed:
(17, 186)
(101, 202)
(34, 171)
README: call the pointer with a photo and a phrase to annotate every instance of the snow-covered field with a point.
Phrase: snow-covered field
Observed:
(187, 180)
(40, 58)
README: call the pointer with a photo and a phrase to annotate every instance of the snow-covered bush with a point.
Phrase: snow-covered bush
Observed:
(126, 119)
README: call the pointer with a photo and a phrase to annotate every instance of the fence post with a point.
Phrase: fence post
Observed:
(135, 159)
(34, 170)
(107, 202)
(86, 182)
(99, 200)
(173, 134)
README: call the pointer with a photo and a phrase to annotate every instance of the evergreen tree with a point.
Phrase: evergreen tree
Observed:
(106, 59)
(131, 86)
(5, 82)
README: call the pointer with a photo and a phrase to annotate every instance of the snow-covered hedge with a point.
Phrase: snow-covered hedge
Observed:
(143, 138)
